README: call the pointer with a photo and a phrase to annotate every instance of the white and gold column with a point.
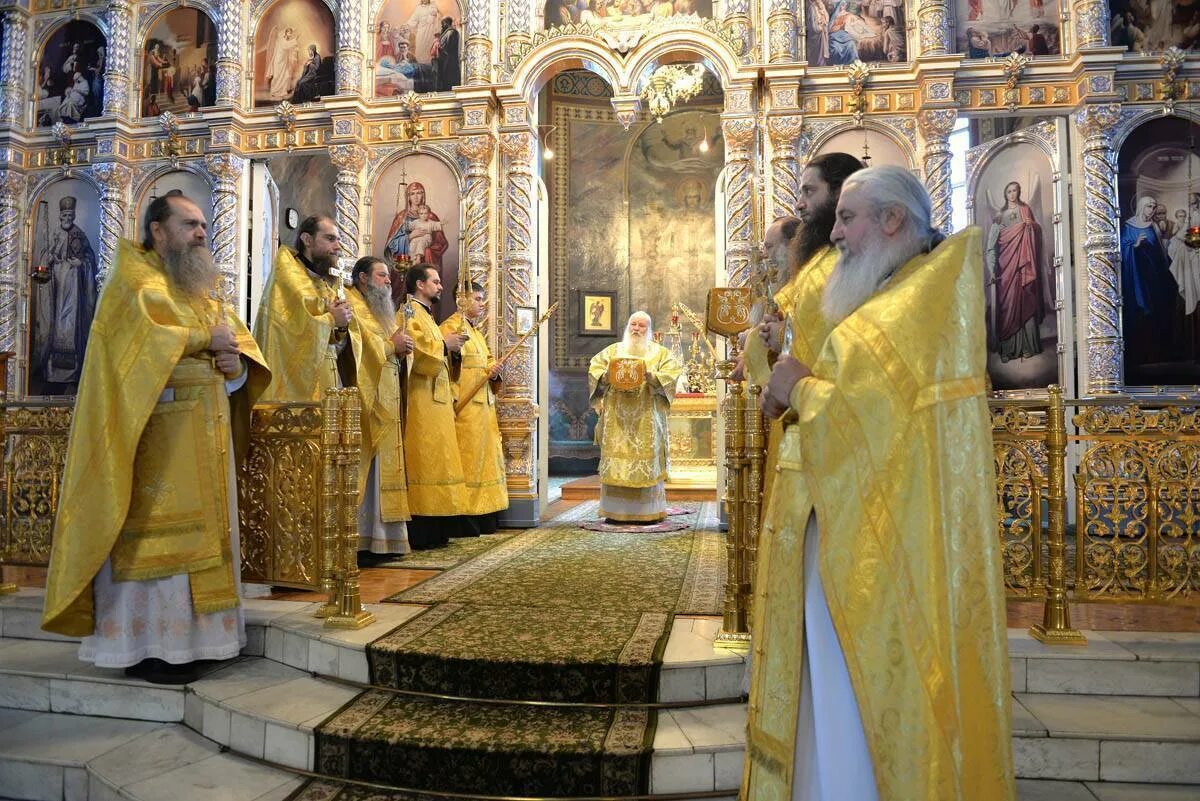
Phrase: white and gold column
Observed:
(478, 44)
(741, 235)
(226, 170)
(231, 31)
(12, 199)
(477, 150)
(14, 75)
(114, 179)
(516, 407)
(347, 207)
(784, 131)
(933, 28)
(782, 31)
(1091, 23)
(116, 59)
(936, 125)
(739, 23)
(518, 24)
(1101, 218)
(349, 68)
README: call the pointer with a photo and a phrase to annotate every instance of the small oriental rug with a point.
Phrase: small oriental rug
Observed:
(635, 528)
(493, 749)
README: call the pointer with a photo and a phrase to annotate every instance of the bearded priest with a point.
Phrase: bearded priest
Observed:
(304, 325)
(146, 565)
(880, 623)
(380, 378)
(632, 385)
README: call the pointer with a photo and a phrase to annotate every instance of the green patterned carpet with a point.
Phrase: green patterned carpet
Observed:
(458, 551)
(494, 749)
(556, 614)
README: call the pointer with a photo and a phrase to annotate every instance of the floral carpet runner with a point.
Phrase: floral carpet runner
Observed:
(556, 614)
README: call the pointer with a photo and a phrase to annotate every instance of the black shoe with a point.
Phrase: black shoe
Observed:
(156, 671)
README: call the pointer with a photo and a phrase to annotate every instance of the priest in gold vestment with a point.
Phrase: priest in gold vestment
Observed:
(436, 492)
(881, 665)
(304, 328)
(146, 563)
(380, 378)
(477, 427)
(632, 428)
(804, 259)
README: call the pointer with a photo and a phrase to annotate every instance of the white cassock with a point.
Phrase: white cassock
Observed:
(833, 762)
(153, 619)
(374, 534)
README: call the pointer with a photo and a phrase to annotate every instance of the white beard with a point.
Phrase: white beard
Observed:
(633, 345)
(379, 301)
(856, 278)
(192, 269)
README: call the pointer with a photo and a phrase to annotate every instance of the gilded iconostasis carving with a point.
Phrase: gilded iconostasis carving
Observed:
(514, 141)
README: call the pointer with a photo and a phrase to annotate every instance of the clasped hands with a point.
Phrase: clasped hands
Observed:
(227, 356)
(776, 396)
(402, 342)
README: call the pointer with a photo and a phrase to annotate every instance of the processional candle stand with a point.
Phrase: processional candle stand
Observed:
(728, 315)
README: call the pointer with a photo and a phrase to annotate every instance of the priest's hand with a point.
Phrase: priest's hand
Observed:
(770, 331)
(229, 363)
(402, 342)
(222, 340)
(776, 394)
(455, 341)
(494, 373)
(340, 309)
(738, 373)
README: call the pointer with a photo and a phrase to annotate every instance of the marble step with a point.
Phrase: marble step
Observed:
(286, 632)
(49, 757)
(1112, 663)
(52, 757)
(268, 710)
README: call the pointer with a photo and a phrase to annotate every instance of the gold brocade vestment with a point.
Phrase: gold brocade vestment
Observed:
(296, 331)
(476, 425)
(800, 303)
(632, 429)
(380, 379)
(146, 481)
(435, 476)
(891, 450)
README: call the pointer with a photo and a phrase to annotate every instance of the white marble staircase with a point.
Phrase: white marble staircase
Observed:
(1118, 720)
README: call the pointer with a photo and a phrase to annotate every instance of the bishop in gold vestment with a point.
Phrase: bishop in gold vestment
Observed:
(880, 668)
(476, 425)
(380, 378)
(436, 493)
(145, 564)
(303, 327)
(632, 429)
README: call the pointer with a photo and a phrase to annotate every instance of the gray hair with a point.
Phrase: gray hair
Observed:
(895, 187)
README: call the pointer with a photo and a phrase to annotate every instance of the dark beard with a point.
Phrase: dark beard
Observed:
(323, 265)
(192, 269)
(812, 235)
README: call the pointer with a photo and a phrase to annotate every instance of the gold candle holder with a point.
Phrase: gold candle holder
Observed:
(350, 613)
(330, 496)
(1055, 627)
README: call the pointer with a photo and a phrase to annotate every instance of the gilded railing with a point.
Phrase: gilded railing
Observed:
(1136, 492)
(297, 494)
(35, 449)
